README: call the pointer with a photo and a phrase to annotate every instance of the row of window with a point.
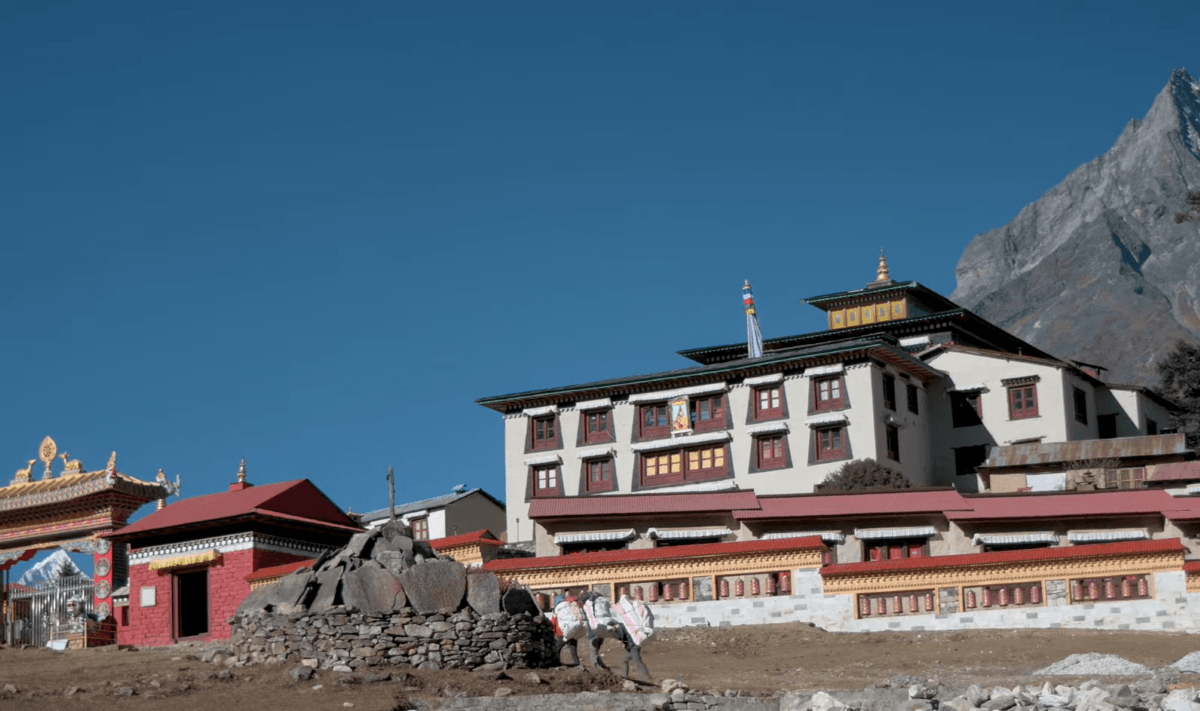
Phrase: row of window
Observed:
(966, 408)
(706, 463)
(708, 413)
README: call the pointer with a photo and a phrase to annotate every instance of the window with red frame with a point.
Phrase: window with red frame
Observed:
(543, 432)
(1022, 402)
(708, 413)
(545, 481)
(420, 529)
(771, 452)
(597, 426)
(828, 393)
(687, 465)
(653, 420)
(831, 443)
(598, 475)
(768, 402)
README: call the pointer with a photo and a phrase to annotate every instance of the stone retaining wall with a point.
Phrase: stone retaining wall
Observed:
(345, 640)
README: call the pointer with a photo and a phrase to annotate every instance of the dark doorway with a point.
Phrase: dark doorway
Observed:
(191, 603)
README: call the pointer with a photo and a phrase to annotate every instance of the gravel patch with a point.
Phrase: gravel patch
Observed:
(1190, 663)
(1094, 665)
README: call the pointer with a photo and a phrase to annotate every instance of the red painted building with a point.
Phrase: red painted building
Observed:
(188, 562)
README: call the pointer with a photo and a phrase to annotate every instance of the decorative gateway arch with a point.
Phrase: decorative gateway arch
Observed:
(71, 511)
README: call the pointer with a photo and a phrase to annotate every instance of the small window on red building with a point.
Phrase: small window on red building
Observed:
(543, 432)
(708, 413)
(770, 452)
(687, 465)
(598, 475)
(1022, 402)
(597, 426)
(653, 420)
(420, 529)
(545, 481)
(896, 549)
(827, 393)
(965, 409)
(831, 443)
(768, 403)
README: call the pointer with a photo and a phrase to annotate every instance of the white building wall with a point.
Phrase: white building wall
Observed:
(1171, 609)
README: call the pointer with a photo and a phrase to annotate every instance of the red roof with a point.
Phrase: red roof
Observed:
(699, 550)
(1179, 471)
(631, 505)
(948, 561)
(278, 571)
(298, 501)
(482, 537)
(824, 505)
(1118, 502)
(1191, 566)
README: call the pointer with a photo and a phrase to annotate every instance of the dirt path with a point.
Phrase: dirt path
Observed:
(756, 660)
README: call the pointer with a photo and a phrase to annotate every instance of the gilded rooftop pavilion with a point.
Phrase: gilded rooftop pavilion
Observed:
(700, 484)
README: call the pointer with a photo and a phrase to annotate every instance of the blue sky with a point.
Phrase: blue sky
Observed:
(311, 234)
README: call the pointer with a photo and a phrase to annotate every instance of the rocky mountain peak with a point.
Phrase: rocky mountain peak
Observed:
(1097, 269)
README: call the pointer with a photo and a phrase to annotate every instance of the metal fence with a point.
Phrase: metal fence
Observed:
(42, 613)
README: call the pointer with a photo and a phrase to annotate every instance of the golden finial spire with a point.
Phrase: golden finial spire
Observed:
(242, 471)
(881, 274)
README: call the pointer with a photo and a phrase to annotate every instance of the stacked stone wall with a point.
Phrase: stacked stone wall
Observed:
(346, 640)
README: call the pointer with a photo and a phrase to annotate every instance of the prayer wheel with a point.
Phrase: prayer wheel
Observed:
(785, 583)
(929, 602)
(971, 600)
(1143, 588)
(683, 590)
(987, 598)
(1035, 595)
(864, 607)
(739, 588)
(653, 592)
(881, 606)
(724, 588)
(754, 587)
(771, 584)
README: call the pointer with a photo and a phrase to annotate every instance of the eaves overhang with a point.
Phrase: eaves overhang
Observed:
(881, 348)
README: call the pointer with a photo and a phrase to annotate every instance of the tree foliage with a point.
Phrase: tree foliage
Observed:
(1192, 214)
(1179, 379)
(864, 475)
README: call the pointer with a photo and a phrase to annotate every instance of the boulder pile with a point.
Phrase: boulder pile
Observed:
(388, 599)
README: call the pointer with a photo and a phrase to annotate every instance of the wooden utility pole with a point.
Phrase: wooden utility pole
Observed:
(391, 496)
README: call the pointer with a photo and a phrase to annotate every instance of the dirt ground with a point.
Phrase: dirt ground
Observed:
(754, 660)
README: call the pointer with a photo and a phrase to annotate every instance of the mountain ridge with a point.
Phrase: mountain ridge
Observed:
(1096, 269)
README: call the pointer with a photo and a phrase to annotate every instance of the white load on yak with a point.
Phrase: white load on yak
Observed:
(591, 617)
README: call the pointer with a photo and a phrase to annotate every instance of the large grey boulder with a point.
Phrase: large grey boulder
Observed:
(360, 543)
(483, 593)
(373, 589)
(435, 586)
(520, 600)
(288, 591)
(328, 584)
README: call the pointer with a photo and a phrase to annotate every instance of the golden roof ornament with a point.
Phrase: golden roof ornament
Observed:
(47, 452)
(70, 466)
(242, 471)
(882, 278)
(23, 475)
(111, 468)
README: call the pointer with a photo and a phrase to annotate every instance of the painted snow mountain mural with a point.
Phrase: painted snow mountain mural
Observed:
(1098, 269)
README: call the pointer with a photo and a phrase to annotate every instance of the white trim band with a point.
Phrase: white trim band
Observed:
(868, 534)
(539, 411)
(1015, 539)
(594, 404)
(596, 536)
(671, 394)
(684, 441)
(767, 428)
(227, 544)
(595, 452)
(1120, 534)
(830, 419)
(971, 388)
(1193, 489)
(543, 459)
(679, 534)
(915, 341)
(702, 486)
(827, 536)
(764, 379)
(835, 369)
